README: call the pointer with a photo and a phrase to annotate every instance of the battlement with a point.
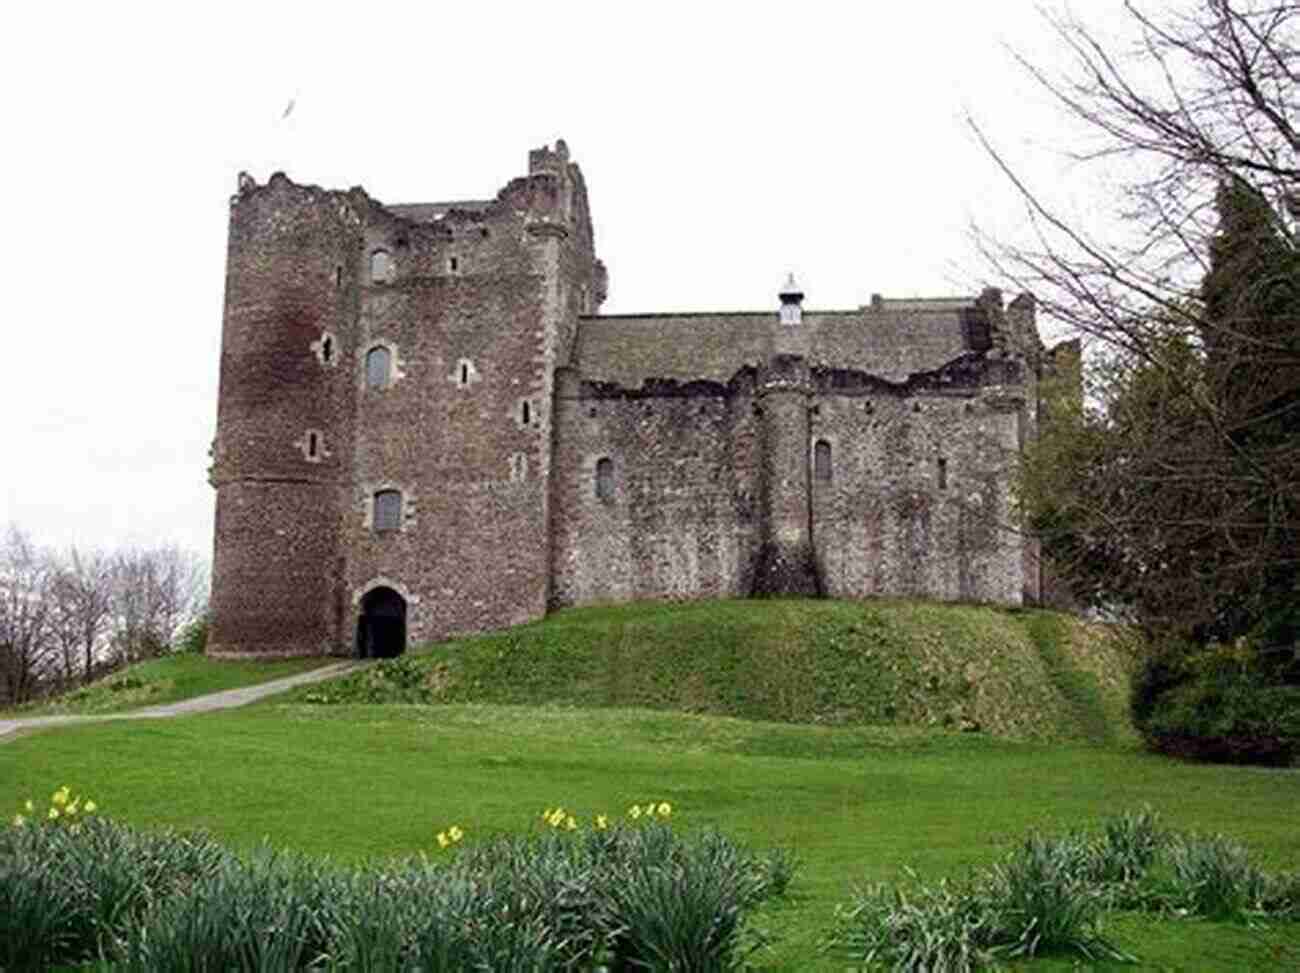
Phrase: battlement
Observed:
(547, 159)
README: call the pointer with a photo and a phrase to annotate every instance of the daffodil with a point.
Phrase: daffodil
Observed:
(634, 811)
(71, 810)
(665, 809)
(602, 822)
(546, 815)
(454, 833)
(570, 823)
(443, 840)
(29, 807)
(90, 807)
(54, 814)
(60, 797)
(649, 809)
(19, 820)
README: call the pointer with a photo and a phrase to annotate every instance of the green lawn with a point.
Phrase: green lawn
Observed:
(166, 680)
(855, 804)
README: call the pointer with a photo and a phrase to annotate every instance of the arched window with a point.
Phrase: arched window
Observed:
(381, 267)
(605, 478)
(388, 510)
(378, 363)
(822, 461)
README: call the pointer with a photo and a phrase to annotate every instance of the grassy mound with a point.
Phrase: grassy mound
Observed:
(168, 679)
(1023, 674)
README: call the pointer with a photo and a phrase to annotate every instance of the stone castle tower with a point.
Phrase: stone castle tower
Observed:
(425, 427)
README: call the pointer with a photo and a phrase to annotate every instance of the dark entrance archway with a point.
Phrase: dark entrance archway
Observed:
(381, 627)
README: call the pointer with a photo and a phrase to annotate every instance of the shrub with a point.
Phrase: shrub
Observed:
(627, 896)
(1226, 710)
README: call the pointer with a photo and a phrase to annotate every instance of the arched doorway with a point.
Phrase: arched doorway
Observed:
(381, 627)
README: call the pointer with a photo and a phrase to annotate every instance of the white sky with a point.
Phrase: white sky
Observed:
(723, 144)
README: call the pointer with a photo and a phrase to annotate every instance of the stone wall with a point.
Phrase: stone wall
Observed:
(682, 516)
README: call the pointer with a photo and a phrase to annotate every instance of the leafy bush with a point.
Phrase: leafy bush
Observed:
(193, 636)
(1225, 709)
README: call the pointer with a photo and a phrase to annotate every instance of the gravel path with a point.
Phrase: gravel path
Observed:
(199, 704)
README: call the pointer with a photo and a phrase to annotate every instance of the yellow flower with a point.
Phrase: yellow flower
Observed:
(60, 797)
(70, 810)
(570, 823)
(443, 841)
(454, 833)
(557, 817)
(665, 809)
(649, 809)
(91, 807)
(602, 822)
(634, 811)
(19, 820)
(29, 807)
(54, 814)
(546, 815)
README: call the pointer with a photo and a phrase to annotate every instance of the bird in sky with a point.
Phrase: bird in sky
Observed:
(288, 108)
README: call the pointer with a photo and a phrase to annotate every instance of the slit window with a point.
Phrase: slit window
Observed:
(313, 445)
(388, 510)
(822, 461)
(453, 264)
(464, 374)
(381, 267)
(378, 364)
(327, 349)
(526, 413)
(338, 276)
(605, 479)
(942, 472)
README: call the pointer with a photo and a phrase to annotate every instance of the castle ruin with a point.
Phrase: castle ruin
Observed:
(425, 427)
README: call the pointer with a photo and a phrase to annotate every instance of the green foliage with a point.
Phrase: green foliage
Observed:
(808, 661)
(193, 636)
(1052, 894)
(626, 898)
(1220, 704)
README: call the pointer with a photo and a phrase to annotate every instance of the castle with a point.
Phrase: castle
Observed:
(425, 427)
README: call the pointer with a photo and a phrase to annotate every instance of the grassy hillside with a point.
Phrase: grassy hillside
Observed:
(1024, 674)
(165, 680)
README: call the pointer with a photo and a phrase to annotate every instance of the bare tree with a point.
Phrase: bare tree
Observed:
(154, 591)
(26, 654)
(82, 601)
(1177, 482)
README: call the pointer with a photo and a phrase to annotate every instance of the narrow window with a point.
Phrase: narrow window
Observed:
(526, 413)
(822, 461)
(338, 276)
(327, 349)
(381, 266)
(605, 478)
(388, 510)
(943, 473)
(453, 264)
(377, 365)
(311, 445)
(464, 374)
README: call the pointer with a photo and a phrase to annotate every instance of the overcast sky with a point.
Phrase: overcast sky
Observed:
(723, 144)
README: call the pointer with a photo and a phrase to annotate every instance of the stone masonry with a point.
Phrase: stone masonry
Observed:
(425, 427)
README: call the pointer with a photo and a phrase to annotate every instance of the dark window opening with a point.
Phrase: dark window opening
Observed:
(464, 374)
(311, 445)
(338, 276)
(526, 413)
(605, 478)
(381, 626)
(943, 473)
(327, 349)
(388, 510)
(454, 264)
(377, 364)
(822, 461)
